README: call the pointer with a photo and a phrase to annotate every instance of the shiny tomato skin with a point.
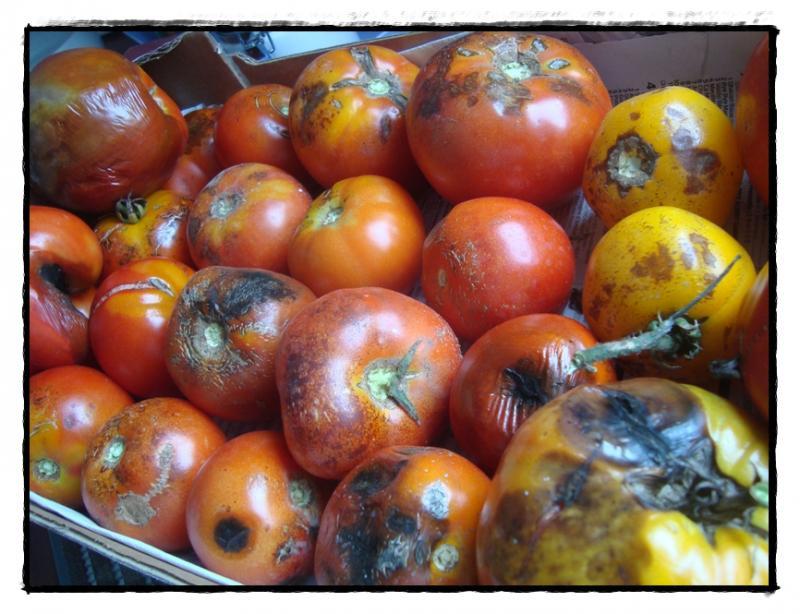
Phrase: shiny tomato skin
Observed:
(140, 467)
(493, 259)
(511, 371)
(128, 324)
(404, 516)
(754, 322)
(752, 119)
(253, 513)
(246, 217)
(223, 335)
(505, 114)
(360, 369)
(68, 406)
(347, 115)
(363, 231)
(100, 129)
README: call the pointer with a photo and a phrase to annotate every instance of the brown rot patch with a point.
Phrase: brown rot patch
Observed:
(385, 128)
(225, 204)
(134, 508)
(398, 522)
(568, 87)
(630, 162)
(258, 175)
(231, 535)
(702, 248)
(375, 478)
(635, 115)
(657, 265)
(311, 97)
(701, 166)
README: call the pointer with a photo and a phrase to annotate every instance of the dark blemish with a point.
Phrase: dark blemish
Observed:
(393, 556)
(286, 550)
(310, 98)
(358, 545)
(234, 293)
(570, 87)
(422, 552)
(682, 139)
(702, 165)
(258, 175)
(471, 83)
(54, 275)
(509, 94)
(522, 383)
(694, 185)
(568, 490)
(635, 115)
(399, 522)
(432, 88)
(375, 478)
(596, 307)
(222, 206)
(231, 535)
(608, 288)
(363, 57)
(558, 64)
(702, 246)
(657, 265)
(629, 162)
(472, 100)
(385, 128)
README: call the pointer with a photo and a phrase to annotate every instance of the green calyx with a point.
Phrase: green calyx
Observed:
(386, 380)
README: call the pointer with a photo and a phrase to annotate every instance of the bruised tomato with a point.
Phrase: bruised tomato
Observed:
(754, 323)
(198, 163)
(140, 467)
(253, 513)
(361, 369)
(68, 406)
(406, 515)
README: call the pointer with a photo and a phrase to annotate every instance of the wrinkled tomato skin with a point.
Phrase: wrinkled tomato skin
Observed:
(161, 231)
(198, 164)
(100, 129)
(347, 116)
(493, 259)
(128, 324)
(65, 260)
(342, 380)
(505, 114)
(364, 231)
(511, 371)
(253, 513)
(68, 406)
(752, 119)
(246, 217)
(754, 321)
(405, 516)
(140, 466)
(223, 335)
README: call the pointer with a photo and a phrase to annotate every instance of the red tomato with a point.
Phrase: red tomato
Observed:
(245, 217)
(68, 406)
(493, 259)
(754, 323)
(223, 335)
(509, 373)
(253, 513)
(361, 369)
(347, 115)
(128, 324)
(505, 114)
(100, 129)
(198, 164)
(364, 231)
(140, 466)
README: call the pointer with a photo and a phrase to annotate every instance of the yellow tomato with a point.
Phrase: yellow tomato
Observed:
(652, 264)
(668, 147)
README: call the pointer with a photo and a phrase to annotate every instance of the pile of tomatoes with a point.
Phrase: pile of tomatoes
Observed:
(415, 407)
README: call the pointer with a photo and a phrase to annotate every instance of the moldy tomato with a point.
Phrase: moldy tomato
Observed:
(361, 369)
(505, 114)
(644, 481)
(406, 515)
(671, 147)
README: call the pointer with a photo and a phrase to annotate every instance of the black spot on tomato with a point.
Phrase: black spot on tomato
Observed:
(374, 478)
(399, 522)
(231, 535)
(237, 292)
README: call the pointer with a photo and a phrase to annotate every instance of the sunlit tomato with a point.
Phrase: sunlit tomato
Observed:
(509, 373)
(99, 130)
(68, 406)
(364, 231)
(493, 259)
(253, 513)
(65, 260)
(752, 119)
(347, 115)
(640, 482)
(406, 515)
(754, 322)
(653, 263)
(505, 114)
(198, 164)
(128, 324)
(140, 466)
(223, 335)
(245, 217)
(359, 370)
(145, 227)
(671, 147)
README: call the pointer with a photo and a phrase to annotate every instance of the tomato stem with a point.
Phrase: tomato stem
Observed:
(130, 210)
(387, 380)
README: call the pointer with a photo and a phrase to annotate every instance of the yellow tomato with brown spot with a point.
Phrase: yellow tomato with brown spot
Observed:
(653, 263)
(668, 147)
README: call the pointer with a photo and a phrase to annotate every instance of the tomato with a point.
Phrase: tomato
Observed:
(671, 147)
(493, 259)
(406, 515)
(509, 373)
(643, 481)
(65, 260)
(245, 217)
(652, 264)
(128, 324)
(505, 114)
(364, 231)
(253, 513)
(752, 119)
(140, 466)
(361, 369)
(68, 406)
(223, 335)
(198, 164)
(99, 129)
(347, 115)
(145, 227)
(754, 326)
